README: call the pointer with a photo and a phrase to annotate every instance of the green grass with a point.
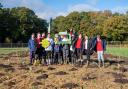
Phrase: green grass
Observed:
(10, 50)
(118, 51)
(112, 50)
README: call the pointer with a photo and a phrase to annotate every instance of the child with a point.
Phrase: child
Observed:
(32, 48)
(66, 50)
(56, 49)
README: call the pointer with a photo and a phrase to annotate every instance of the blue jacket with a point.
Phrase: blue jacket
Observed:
(31, 45)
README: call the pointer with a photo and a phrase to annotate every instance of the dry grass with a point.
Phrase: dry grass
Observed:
(13, 75)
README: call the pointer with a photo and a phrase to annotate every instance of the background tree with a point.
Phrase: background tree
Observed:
(112, 25)
(16, 24)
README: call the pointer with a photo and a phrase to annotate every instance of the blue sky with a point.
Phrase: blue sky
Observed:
(52, 8)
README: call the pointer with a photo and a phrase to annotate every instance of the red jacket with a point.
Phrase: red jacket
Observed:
(38, 42)
(78, 43)
(99, 45)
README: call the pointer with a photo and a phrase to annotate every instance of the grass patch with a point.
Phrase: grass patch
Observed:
(118, 51)
(111, 50)
(10, 50)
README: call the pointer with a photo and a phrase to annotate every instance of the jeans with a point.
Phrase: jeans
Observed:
(32, 56)
(49, 56)
(87, 53)
(100, 56)
(56, 57)
(78, 53)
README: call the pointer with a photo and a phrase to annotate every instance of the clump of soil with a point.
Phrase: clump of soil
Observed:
(10, 70)
(61, 73)
(123, 69)
(50, 86)
(73, 69)
(5, 66)
(94, 65)
(40, 71)
(113, 62)
(2, 74)
(69, 85)
(24, 76)
(23, 67)
(79, 64)
(122, 81)
(43, 76)
(10, 83)
(6, 58)
(87, 78)
(36, 83)
(116, 75)
(51, 68)
(13, 64)
(1, 81)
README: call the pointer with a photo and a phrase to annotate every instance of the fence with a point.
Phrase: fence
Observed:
(117, 43)
(18, 45)
(13, 45)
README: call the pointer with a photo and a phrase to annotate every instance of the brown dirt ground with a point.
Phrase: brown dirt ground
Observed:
(14, 75)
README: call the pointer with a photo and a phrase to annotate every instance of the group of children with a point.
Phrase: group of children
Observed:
(81, 48)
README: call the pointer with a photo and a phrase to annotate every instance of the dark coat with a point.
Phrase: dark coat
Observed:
(89, 47)
(104, 43)
(89, 44)
(74, 43)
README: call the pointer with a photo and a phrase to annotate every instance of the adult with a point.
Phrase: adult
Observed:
(39, 51)
(43, 52)
(78, 47)
(87, 48)
(32, 48)
(100, 47)
(49, 49)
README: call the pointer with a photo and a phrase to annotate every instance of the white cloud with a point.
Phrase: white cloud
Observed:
(46, 12)
(82, 7)
(120, 9)
(42, 10)
(62, 14)
(46, 15)
(79, 8)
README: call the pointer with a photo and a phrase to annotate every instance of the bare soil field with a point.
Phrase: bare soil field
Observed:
(15, 73)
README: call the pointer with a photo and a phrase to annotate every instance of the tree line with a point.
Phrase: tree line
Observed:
(113, 26)
(16, 24)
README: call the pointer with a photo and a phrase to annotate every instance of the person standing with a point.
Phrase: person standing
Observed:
(87, 48)
(49, 49)
(100, 47)
(43, 51)
(78, 47)
(56, 49)
(32, 48)
(38, 51)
